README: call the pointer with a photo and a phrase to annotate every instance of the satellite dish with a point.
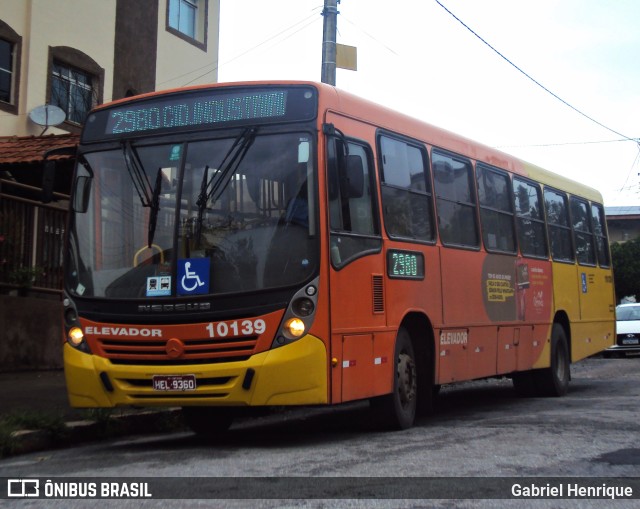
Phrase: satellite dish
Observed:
(47, 115)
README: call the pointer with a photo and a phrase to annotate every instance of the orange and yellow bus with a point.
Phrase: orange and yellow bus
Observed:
(287, 243)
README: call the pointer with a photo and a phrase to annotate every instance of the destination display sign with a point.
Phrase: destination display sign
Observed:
(202, 109)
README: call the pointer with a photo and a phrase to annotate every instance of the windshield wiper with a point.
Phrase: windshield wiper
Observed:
(138, 176)
(155, 207)
(212, 189)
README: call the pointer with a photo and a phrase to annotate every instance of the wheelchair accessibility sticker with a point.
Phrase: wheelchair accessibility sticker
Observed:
(193, 276)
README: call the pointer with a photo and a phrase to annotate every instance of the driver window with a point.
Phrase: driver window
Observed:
(354, 224)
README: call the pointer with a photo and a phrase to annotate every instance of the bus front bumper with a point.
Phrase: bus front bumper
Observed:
(295, 374)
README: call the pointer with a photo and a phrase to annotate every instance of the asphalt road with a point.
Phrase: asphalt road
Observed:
(481, 429)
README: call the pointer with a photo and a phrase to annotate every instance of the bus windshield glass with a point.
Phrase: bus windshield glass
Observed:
(216, 216)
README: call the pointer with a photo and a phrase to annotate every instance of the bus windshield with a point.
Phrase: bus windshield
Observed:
(226, 215)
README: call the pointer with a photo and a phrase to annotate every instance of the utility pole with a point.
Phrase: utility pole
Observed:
(330, 14)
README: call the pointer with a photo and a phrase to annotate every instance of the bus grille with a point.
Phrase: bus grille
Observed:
(126, 351)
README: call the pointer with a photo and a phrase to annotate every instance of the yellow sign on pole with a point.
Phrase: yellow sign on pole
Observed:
(346, 57)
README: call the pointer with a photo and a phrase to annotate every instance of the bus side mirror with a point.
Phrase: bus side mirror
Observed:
(353, 183)
(48, 181)
(81, 194)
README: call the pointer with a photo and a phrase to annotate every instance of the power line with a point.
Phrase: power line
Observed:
(385, 46)
(565, 143)
(309, 20)
(532, 79)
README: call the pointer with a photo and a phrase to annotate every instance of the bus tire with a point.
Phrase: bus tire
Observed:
(397, 411)
(554, 380)
(208, 421)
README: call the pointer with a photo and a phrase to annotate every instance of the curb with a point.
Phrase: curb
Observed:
(75, 432)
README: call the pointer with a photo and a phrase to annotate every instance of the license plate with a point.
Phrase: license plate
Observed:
(633, 341)
(174, 382)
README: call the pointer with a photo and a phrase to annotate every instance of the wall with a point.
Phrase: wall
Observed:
(87, 25)
(181, 63)
(30, 333)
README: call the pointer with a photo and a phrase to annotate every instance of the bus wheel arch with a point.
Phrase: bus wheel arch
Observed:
(554, 380)
(562, 319)
(421, 331)
(413, 387)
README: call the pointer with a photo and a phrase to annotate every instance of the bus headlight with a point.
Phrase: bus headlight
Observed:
(303, 307)
(294, 328)
(75, 336)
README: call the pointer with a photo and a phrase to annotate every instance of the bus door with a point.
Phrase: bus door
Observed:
(465, 320)
(356, 273)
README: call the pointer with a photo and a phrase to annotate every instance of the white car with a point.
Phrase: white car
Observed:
(627, 330)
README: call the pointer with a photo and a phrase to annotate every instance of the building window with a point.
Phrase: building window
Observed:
(188, 20)
(72, 91)
(6, 70)
(75, 84)
(183, 15)
(10, 45)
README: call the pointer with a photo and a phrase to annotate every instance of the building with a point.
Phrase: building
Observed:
(623, 223)
(75, 54)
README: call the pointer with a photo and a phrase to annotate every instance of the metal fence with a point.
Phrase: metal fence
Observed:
(31, 239)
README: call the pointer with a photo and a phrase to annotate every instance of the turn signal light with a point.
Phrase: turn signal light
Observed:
(76, 336)
(294, 328)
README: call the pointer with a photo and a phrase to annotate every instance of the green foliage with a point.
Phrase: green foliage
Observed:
(25, 276)
(626, 268)
(54, 424)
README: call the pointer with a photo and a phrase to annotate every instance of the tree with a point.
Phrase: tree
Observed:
(626, 268)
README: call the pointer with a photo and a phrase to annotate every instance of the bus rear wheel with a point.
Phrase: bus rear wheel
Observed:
(208, 421)
(551, 381)
(398, 410)
(554, 380)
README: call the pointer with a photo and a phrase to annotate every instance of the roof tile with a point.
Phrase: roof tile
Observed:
(31, 149)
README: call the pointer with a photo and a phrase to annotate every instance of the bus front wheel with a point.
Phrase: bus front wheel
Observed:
(398, 409)
(208, 421)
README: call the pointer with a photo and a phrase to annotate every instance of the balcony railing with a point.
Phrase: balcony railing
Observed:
(31, 239)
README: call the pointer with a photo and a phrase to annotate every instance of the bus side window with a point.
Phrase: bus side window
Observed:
(406, 190)
(496, 209)
(455, 200)
(582, 232)
(602, 249)
(558, 225)
(531, 230)
(354, 228)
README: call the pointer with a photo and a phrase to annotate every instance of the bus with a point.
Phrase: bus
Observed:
(272, 244)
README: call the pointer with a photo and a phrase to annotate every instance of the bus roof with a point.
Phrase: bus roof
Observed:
(348, 104)
(435, 136)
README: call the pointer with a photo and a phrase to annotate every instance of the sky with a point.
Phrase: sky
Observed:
(415, 57)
